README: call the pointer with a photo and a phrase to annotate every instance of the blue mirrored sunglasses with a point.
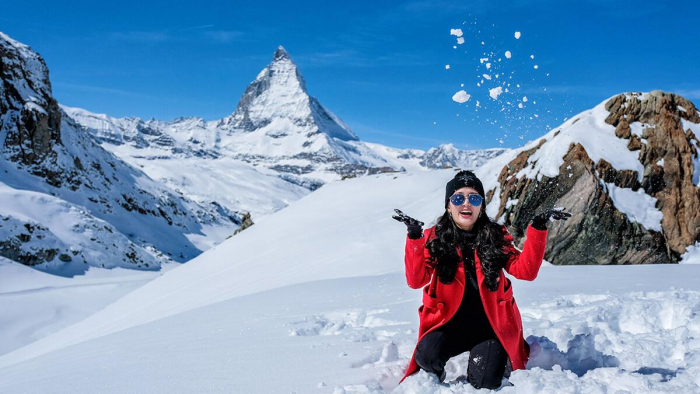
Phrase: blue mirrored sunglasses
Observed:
(474, 199)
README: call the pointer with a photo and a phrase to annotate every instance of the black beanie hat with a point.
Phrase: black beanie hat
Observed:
(463, 179)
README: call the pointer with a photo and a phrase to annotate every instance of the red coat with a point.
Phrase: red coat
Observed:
(441, 301)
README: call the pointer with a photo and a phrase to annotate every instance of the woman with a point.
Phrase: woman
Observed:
(468, 302)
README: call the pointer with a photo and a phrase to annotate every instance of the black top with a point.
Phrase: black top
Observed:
(470, 318)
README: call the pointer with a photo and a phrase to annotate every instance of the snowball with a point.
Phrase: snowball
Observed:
(461, 97)
(456, 32)
(536, 67)
(495, 92)
(517, 35)
(508, 55)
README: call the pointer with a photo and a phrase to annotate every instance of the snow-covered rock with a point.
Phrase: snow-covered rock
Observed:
(625, 171)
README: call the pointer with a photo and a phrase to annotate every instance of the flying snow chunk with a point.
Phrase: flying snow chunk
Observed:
(460, 40)
(456, 32)
(495, 92)
(525, 99)
(486, 76)
(508, 55)
(517, 35)
(520, 105)
(447, 66)
(536, 67)
(461, 97)
(488, 66)
(532, 56)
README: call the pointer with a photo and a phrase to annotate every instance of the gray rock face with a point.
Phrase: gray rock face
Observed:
(31, 121)
(599, 232)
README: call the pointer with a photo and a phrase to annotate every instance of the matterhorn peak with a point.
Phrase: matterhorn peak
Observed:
(281, 54)
(277, 104)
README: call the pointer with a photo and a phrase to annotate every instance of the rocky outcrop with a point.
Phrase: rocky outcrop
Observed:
(30, 125)
(602, 229)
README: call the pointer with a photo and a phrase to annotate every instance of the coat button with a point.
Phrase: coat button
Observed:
(440, 305)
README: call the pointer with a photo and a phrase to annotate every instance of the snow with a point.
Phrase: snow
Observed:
(637, 205)
(447, 66)
(508, 55)
(696, 164)
(460, 40)
(597, 138)
(637, 128)
(524, 99)
(517, 35)
(461, 96)
(487, 77)
(260, 313)
(495, 92)
(55, 302)
(691, 255)
(456, 32)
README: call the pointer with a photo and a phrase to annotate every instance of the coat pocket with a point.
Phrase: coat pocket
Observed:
(430, 302)
(507, 294)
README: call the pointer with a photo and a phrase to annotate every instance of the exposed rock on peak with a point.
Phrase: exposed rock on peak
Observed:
(280, 54)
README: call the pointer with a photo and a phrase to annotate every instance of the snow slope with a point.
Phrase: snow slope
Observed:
(312, 299)
(56, 302)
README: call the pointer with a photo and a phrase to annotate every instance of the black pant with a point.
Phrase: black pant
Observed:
(487, 357)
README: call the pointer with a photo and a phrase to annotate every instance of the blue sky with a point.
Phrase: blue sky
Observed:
(379, 65)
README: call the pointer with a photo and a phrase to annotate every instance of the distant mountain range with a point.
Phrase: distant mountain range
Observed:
(143, 192)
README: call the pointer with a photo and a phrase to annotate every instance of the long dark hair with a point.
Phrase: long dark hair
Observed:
(492, 249)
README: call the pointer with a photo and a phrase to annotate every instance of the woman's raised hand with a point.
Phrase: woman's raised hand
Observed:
(415, 227)
(540, 221)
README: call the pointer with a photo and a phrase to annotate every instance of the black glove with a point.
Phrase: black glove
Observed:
(539, 222)
(415, 227)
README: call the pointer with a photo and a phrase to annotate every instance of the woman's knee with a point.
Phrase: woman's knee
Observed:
(487, 363)
(428, 353)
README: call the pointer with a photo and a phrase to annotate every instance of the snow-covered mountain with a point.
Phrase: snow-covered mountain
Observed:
(278, 145)
(67, 203)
